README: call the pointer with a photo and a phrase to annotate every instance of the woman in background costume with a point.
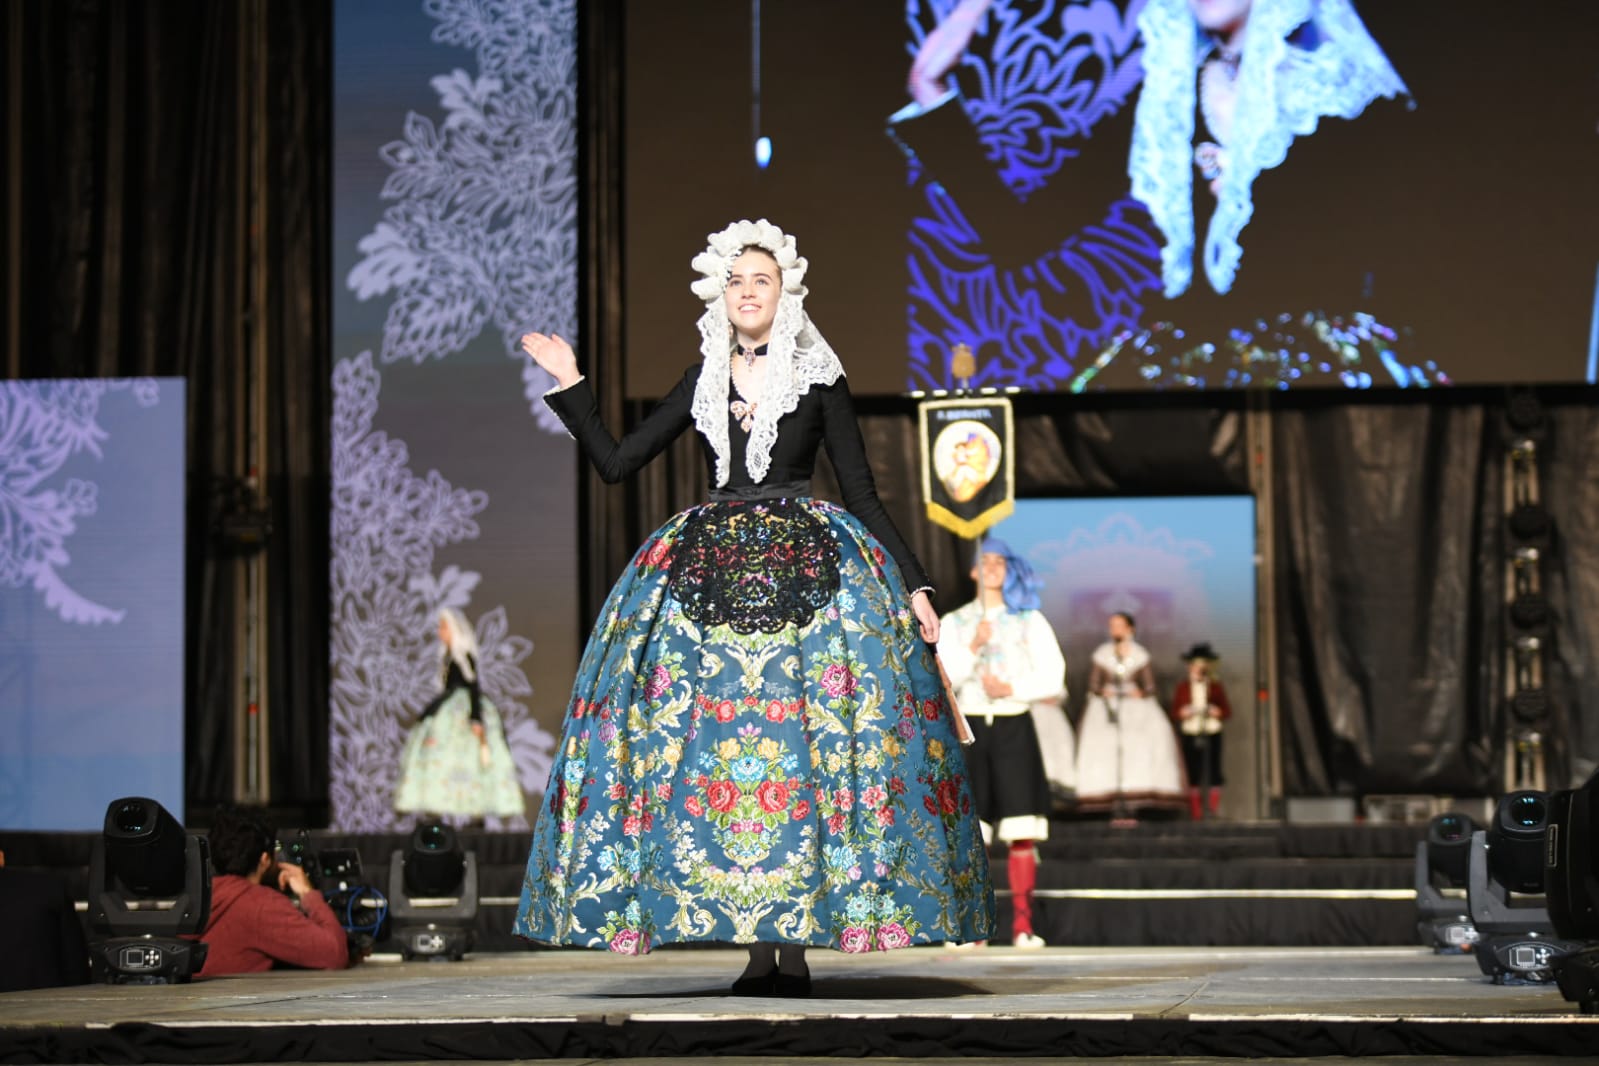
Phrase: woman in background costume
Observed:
(1126, 754)
(456, 762)
(758, 749)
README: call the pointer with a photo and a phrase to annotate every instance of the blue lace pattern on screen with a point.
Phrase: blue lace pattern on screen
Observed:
(480, 233)
(389, 525)
(43, 424)
(1024, 121)
(482, 226)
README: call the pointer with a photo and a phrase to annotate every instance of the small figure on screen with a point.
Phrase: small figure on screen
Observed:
(456, 762)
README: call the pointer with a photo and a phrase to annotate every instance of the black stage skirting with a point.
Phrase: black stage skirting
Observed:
(1002, 1002)
(838, 1038)
(1156, 884)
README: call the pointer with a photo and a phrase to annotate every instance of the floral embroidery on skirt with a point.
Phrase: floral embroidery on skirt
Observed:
(799, 785)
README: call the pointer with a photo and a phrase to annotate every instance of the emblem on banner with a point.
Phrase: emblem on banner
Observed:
(968, 471)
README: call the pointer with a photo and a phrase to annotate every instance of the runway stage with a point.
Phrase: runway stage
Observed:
(921, 1002)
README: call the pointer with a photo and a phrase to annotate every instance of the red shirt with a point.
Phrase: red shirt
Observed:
(253, 927)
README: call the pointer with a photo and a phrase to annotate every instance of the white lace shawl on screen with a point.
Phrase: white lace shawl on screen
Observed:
(461, 648)
(1134, 657)
(1283, 91)
(797, 355)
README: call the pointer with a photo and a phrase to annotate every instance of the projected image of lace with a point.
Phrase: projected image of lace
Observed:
(1048, 74)
(43, 424)
(1124, 141)
(478, 235)
(482, 230)
(387, 589)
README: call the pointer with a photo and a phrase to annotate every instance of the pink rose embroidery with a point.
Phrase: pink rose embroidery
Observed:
(837, 680)
(660, 680)
(891, 936)
(855, 940)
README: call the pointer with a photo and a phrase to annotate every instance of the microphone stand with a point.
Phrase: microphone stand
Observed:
(1120, 816)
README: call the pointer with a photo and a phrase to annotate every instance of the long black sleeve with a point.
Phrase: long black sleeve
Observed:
(848, 453)
(475, 688)
(1016, 232)
(613, 459)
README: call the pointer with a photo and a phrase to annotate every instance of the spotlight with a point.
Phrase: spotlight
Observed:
(149, 885)
(1572, 889)
(1517, 940)
(1516, 841)
(433, 895)
(1443, 862)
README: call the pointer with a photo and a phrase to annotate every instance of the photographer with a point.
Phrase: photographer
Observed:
(264, 914)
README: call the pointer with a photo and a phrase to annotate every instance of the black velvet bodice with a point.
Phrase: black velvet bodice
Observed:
(825, 417)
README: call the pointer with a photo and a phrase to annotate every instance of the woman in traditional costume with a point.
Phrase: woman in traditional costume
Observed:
(758, 748)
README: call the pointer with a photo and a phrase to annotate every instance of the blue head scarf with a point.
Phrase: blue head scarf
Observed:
(1022, 586)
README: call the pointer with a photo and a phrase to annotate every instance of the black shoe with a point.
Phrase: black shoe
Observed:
(764, 985)
(793, 986)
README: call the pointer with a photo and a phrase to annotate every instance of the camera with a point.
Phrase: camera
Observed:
(337, 874)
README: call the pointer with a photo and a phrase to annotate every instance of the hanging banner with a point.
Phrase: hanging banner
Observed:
(968, 471)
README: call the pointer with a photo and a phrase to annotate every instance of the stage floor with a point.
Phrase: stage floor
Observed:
(925, 1002)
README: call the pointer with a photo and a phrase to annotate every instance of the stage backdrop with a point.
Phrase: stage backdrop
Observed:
(1184, 567)
(455, 204)
(91, 598)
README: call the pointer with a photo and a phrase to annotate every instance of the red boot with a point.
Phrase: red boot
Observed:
(1023, 867)
(1196, 810)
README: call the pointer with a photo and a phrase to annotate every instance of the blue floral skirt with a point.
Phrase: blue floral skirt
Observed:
(757, 749)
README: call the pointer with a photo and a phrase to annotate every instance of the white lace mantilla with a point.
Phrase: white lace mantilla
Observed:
(1283, 92)
(797, 356)
(1134, 656)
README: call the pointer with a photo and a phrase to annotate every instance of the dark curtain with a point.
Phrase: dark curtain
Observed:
(1389, 594)
(1392, 576)
(130, 216)
(1570, 491)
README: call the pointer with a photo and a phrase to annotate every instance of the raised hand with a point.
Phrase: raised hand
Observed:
(942, 49)
(554, 355)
